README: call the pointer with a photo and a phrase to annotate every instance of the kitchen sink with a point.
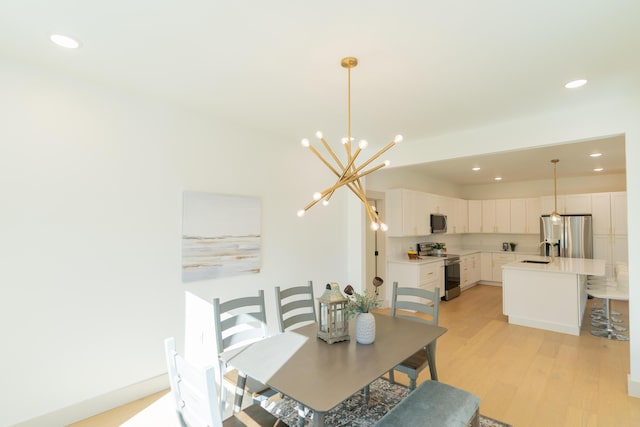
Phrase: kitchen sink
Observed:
(535, 261)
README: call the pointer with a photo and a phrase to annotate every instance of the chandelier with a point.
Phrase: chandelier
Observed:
(348, 173)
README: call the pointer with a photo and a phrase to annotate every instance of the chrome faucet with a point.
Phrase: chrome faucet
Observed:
(551, 248)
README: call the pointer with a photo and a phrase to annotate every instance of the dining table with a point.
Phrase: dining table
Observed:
(319, 376)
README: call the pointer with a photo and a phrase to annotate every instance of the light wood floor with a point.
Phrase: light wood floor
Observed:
(524, 376)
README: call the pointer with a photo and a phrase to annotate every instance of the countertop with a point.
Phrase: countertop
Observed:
(459, 252)
(595, 267)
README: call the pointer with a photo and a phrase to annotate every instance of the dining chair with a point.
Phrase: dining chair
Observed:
(194, 392)
(295, 306)
(238, 323)
(413, 304)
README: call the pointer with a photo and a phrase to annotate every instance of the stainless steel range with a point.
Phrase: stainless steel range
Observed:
(451, 268)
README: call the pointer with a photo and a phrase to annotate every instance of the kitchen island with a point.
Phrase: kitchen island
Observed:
(548, 295)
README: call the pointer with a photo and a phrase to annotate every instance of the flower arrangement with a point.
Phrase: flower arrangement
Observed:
(439, 246)
(361, 303)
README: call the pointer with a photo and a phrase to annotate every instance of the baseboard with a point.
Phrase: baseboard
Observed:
(633, 387)
(98, 405)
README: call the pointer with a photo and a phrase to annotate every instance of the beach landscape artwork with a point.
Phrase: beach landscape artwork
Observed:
(220, 236)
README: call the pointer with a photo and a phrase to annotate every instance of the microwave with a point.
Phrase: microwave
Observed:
(438, 223)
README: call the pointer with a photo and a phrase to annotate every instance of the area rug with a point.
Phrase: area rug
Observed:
(353, 412)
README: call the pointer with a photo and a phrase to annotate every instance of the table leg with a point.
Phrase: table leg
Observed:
(318, 419)
(431, 356)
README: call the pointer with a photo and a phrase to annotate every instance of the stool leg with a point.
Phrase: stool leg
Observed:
(609, 332)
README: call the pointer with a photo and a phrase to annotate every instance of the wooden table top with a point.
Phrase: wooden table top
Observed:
(321, 375)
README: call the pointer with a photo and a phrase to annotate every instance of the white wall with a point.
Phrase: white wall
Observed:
(91, 182)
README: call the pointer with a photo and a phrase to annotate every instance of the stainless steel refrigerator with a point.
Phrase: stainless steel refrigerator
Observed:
(572, 237)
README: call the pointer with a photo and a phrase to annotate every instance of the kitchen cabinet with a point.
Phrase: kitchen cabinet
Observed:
(420, 275)
(486, 267)
(469, 270)
(610, 241)
(459, 220)
(474, 209)
(497, 261)
(567, 204)
(406, 212)
(496, 217)
(525, 216)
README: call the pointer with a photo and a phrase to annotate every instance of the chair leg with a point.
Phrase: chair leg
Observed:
(391, 378)
(239, 392)
(431, 356)
(365, 390)
(412, 381)
(223, 389)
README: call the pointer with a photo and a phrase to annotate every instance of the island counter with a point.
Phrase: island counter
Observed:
(548, 296)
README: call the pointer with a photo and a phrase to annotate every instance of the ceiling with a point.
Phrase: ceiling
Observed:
(425, 68)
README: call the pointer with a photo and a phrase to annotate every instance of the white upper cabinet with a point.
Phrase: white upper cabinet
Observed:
(619, 213)
(496, 216)
(567, 204)
(609, 212)
(577, 204)
(525, 214)
(407, 213)
(474, 208)
(460, 216)
(601, 211)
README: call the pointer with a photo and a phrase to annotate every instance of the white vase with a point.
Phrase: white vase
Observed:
(365, 328)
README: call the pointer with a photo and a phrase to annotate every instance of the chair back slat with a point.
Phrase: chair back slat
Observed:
(404, 298)
(294, 306)
(239, 321)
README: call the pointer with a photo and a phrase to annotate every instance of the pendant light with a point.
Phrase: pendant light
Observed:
(555, 216)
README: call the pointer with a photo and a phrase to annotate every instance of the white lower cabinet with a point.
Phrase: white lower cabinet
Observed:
(497, 261)
(469, 270)
(428, 275)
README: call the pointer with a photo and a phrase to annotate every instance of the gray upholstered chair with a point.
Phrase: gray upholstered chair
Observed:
(413, 303)
(295, 306)
(434, 404)
(194, 391)
(238, 323)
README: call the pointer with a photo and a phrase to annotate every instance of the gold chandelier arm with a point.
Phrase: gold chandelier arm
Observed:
(332, 153)
(323, 160)
(375, 156)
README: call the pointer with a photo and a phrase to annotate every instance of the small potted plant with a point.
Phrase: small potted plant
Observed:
(513, 246)
(360, 307)
(439, 248)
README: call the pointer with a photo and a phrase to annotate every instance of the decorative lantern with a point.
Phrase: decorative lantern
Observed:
(332, 306)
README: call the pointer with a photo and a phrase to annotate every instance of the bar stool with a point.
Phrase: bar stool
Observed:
(608, 293)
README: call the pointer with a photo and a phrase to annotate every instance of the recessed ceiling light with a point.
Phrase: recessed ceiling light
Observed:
(595, 154)
(64, 41)
(575, 84)
(498, 178)
(475, 168)
(598, 169)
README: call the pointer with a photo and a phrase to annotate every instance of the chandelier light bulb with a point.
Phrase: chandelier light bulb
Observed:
(384, 227)
(301, 213)
(398, 139)
(325, 202)
(319, 135)
(375, 226)
(363, 144)
(305, 142)
(555, 217)
(344, 140)
(317, 195)
(387, 163)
